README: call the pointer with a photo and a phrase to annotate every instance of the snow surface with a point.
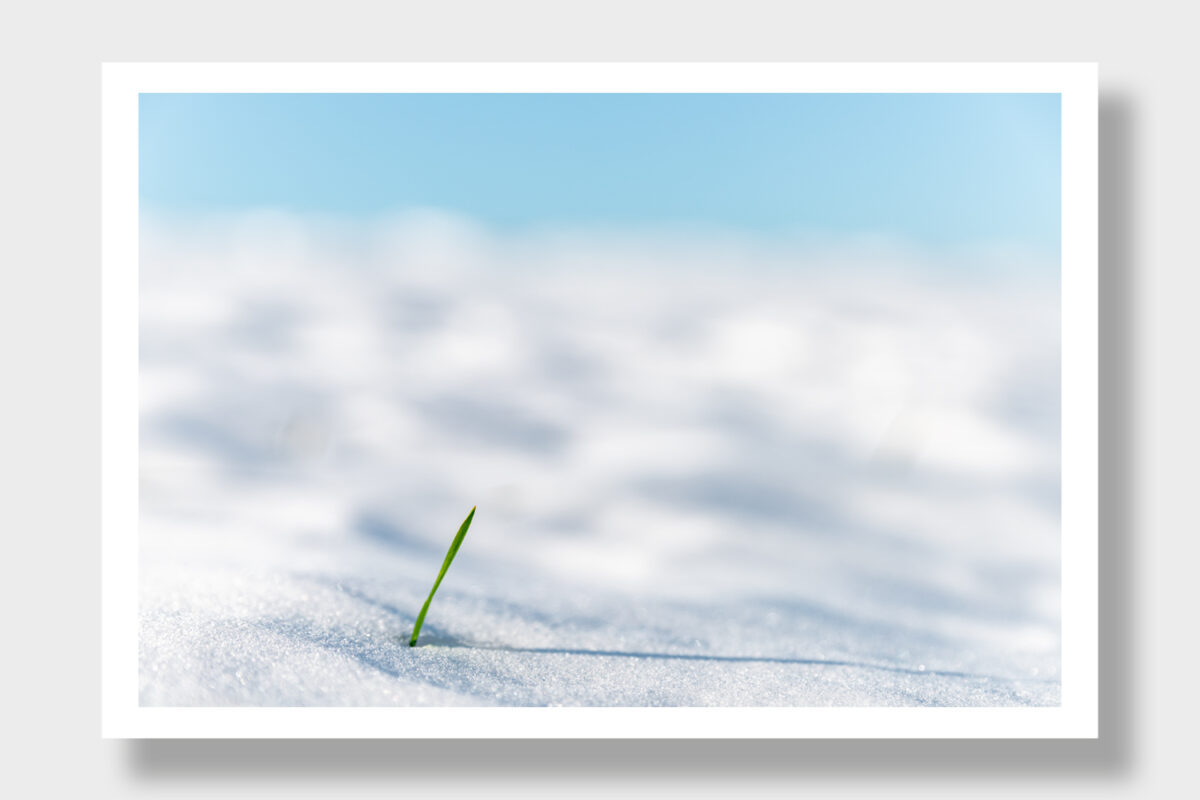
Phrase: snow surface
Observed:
(708, 472)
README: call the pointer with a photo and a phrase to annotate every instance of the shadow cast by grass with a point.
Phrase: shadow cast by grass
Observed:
(435, 637)
(447, 641)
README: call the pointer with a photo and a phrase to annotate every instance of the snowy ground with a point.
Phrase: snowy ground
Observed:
(707, 472)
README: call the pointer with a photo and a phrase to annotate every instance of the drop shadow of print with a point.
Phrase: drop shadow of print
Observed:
(1111, 754)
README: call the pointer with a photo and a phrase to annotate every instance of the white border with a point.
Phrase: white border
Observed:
(121, 716)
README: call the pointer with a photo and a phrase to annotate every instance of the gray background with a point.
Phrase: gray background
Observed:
(49, 425)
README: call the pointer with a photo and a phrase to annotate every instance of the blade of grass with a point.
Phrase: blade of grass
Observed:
(450, 554)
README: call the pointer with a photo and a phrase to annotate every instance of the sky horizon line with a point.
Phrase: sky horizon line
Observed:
(934, 169)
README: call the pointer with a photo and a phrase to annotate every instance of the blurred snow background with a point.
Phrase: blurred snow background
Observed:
(709, 470)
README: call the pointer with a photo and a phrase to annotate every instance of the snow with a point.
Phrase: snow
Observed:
(708, 472)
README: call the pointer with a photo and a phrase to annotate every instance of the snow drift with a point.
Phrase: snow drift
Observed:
(709, 470)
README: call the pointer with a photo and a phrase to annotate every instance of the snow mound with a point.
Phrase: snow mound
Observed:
(708, 473)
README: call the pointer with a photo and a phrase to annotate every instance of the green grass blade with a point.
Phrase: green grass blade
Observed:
(450, 554)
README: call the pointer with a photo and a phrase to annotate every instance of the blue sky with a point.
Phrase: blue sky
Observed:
(933, 169)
